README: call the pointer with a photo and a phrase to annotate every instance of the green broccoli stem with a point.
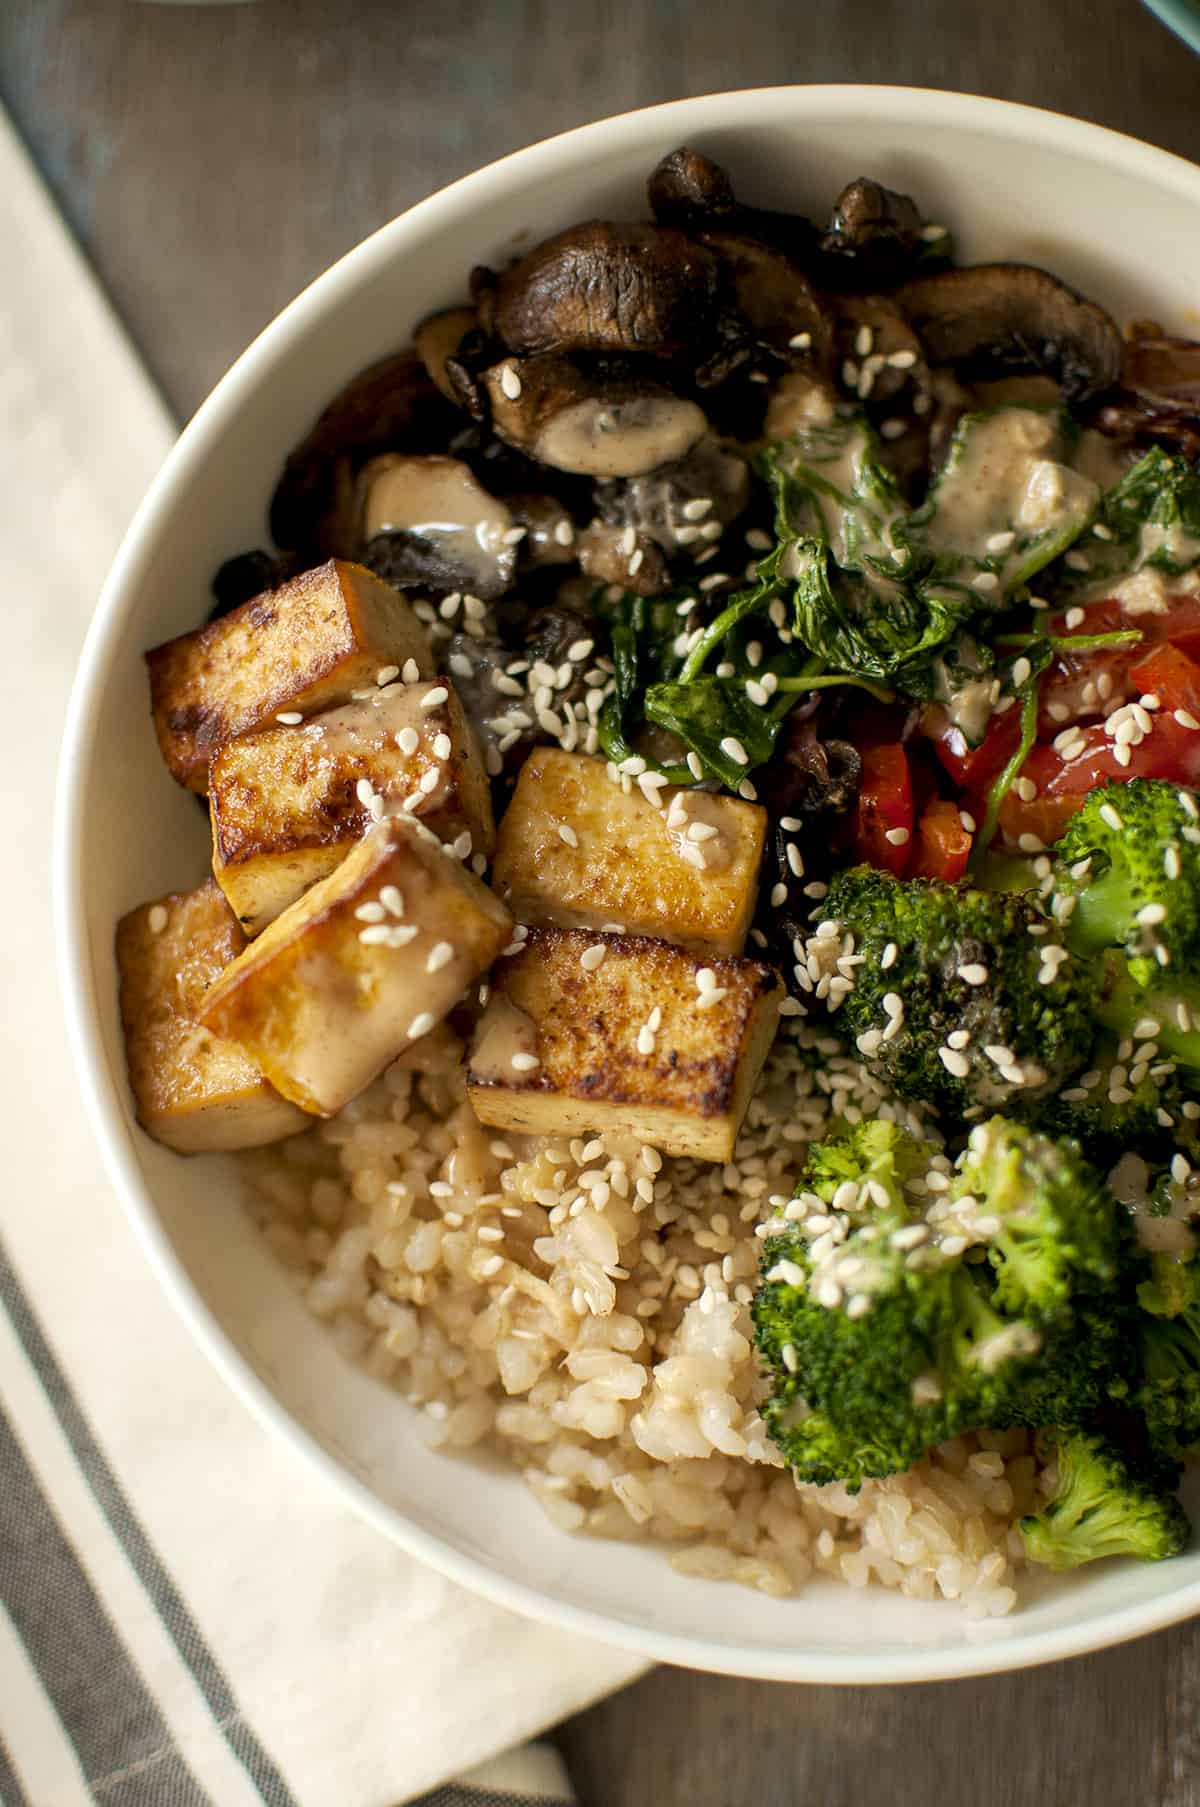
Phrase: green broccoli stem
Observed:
(1008, 775)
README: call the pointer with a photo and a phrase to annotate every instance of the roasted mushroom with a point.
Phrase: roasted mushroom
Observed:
(391, 406)
(1159, 397)
(427, 523)
(874, 236)
(622, 556)
(877, 355)
(438, 341)
(685, 506)
(1014, 317)
(549, 530)
(612, 421)
(609, 288)
(688, 189)
(773, 305)
(248, 574)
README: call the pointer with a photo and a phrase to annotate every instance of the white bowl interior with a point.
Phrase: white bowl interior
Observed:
(1012, 183)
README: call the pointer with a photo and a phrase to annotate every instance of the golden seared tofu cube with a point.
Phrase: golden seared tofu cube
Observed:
(191, 1089)
(294, 650)
(289, 802)
(577, 851)
(585, 1033)
(365, 964)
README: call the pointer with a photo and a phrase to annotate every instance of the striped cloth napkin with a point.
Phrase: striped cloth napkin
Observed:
(187, 1616)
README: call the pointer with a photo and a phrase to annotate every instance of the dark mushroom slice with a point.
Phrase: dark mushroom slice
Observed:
(873, 238)
(438, 340)
(775, 307)
(248, 574)
(1014, 316)
(603, 423)
(1163, 368)
(550, 532)
(427, 522)
(685, 506)
(622, 556)
(391, 406)
(686, 188)
(877, 355)
(602, 287)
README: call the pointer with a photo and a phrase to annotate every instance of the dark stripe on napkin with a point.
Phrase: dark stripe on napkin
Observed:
(109, 1713)
(143, 1557)
(11, 1792)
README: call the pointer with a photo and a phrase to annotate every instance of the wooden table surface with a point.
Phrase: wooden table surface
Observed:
(212, 160)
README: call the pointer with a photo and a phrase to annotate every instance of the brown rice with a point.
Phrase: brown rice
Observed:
(583, 1306)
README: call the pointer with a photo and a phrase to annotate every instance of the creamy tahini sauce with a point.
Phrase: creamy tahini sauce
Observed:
(503, 1031)
(439, 499)
(1149, 590)
(1005, 478)
(599, 438)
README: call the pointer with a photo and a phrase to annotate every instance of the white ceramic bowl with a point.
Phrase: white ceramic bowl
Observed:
(1113, 216)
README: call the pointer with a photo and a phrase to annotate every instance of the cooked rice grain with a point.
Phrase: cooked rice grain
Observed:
(583, 1306)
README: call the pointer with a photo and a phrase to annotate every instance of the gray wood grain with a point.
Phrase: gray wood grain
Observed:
(212, 161)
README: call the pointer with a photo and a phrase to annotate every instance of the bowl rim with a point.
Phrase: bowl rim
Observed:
(468, 195)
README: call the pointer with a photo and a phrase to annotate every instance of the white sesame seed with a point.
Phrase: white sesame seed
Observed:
(525, 1063)
(795, 860)
(973, 973)
(893, 1004)
(591, 957)
(1022, 671)
(645, 1040)
(433, 698)
(999, 542)
(1075, 618)
(156, 919)
(967, 820)
(421, 1025)
(778, 894)
(289, 718)
(733, 749)
(800, 341)
(428, 782)
(1186, 719)
(567, 833)
(708, 1000)
(441, 956)
(898, 837)
(1030, 843)
(954, 1062)
(891, 954)
(1151, 914)
(714, 580)
(987, 582)
(510, 382)
(893, 427)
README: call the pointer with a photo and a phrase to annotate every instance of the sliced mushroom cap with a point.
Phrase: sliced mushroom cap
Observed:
(438, 340)
(608, 288)
(774, 304)
(619, 555)
(684, 506)
(549, 530)
(603, 424)
(426, 522)
(877, 355)
(1015, 316)
(392, 406)
(873, 237)
(687, 187)
(1167, 369)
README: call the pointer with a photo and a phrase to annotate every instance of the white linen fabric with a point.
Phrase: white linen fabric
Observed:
(187, 1615)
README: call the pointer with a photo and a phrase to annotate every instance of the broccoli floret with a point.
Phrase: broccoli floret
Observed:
(1129, 864)
(954, 1001)
(1120, 1101)
(1103, 1506)
(1054, 1231)
(1169, 1008)
(900, 1305)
